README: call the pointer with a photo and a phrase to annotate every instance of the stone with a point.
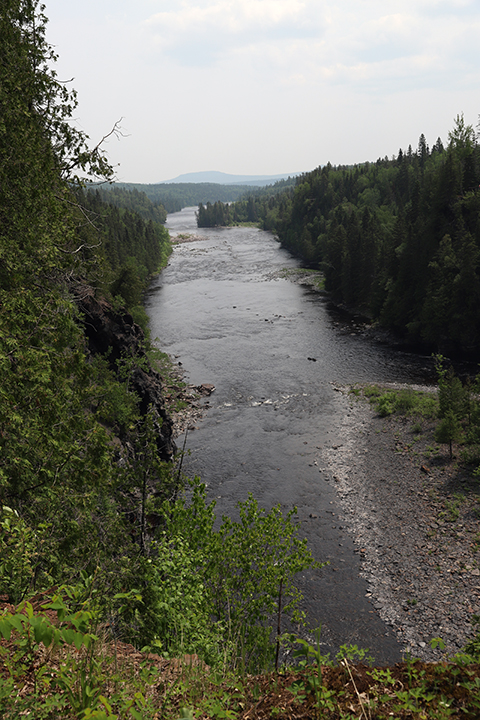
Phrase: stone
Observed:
(205, 389)
(115, 335)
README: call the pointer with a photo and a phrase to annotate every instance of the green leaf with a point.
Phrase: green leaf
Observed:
(17, 621)
(78, 639)
(43, 631)
(68, 635)
(5, 628)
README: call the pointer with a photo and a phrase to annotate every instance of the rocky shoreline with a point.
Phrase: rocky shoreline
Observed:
(191, 397)
(414, 516)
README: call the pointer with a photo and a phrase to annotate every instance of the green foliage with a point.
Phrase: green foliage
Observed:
(67, 674)
(371, 391)
(312, 683)
(133, 199)
(251, 210)
(452, 508)
(385, 405)
(61, 668)
(452, 396)
(63, 471)
(405, 402)
(454, 405)
(37, 108)
(457, 406)
(472, 648)
(449, 430)
(177, 619)
(242, 566)
(127, 237)
(129, 247)
(43, 376)
(18, 545)
(127, 285)
(398, 239)
(213, 215)
(140, 317)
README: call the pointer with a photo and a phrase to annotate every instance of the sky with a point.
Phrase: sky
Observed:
(265, 86)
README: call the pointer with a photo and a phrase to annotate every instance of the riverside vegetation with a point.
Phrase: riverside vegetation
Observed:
(93, 511)
(120, 598)
(397, 239)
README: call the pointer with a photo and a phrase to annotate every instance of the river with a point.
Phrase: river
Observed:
(274, 350)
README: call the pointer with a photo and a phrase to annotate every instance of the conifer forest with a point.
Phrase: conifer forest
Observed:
(397, 239)
(104, 543)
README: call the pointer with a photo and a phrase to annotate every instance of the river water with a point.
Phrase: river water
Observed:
(274, 351)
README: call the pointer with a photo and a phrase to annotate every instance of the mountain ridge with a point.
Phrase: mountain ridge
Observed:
(221, 178)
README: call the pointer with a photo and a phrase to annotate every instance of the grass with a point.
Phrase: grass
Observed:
(305, 276)
(451, 512)
(404, 401)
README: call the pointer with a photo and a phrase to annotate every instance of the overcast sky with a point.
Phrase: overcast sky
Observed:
(265, 86)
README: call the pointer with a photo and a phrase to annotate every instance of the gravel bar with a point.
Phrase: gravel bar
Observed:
(414, 516)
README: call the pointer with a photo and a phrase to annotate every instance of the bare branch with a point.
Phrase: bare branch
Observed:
(82, 210)
(74, 252)
(116, 130)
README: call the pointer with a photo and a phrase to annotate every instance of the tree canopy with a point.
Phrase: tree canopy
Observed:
(88, 489)
(398, 239)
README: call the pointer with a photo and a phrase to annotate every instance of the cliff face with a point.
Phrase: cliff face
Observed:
(115, 336)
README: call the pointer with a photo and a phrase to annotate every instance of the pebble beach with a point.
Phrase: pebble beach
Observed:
(414, 516)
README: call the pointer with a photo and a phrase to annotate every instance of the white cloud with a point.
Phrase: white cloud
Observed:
(267, 85)
(220, 27)
(311, 42)
(232, 16)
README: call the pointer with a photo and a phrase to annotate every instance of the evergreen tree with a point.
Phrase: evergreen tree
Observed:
(448, 431)
(55, 463)
(422, 151)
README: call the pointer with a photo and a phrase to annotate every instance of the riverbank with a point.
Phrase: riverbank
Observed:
(414, 516)
(185, 403)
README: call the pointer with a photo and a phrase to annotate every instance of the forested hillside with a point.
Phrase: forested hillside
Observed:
(175, 196)
(131, 244)
(94, 523)
(131, 199)
(249, 208)
(398, 239)
(71, 414)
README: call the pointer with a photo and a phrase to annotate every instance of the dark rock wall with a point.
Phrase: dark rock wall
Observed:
(116, 336)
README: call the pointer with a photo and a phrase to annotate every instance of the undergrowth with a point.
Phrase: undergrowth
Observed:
(454, 407)
(57, 663)
(404, 401)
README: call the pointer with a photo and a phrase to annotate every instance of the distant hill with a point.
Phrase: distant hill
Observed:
(178, 194)
(213, 176)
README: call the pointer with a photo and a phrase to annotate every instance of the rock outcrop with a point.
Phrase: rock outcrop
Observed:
(116, 336)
